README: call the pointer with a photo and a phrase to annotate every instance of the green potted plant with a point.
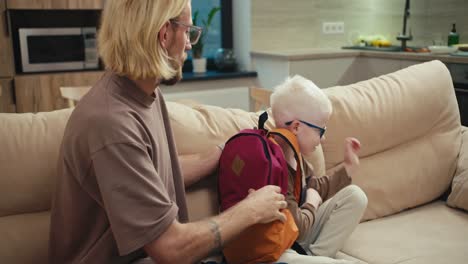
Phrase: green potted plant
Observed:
(198, 61)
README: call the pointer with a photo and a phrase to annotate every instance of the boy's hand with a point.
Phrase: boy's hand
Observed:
(313, 198)
(351, 159)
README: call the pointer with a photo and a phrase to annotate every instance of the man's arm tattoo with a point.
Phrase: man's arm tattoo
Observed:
(214, 227)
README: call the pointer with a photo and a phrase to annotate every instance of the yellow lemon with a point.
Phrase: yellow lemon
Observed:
(385, 43)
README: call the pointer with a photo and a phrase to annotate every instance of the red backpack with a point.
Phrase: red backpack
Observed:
(252, 159)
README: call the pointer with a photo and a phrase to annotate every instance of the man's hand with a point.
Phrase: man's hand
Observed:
(351, 159)
(313, 198)
(265, 204)
(197, 166)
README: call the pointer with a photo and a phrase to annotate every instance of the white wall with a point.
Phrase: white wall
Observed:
(241, 16)
(297, 24)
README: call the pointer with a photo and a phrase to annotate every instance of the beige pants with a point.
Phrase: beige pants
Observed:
(335, 220)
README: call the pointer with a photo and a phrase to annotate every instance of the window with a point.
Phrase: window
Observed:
(220, 34)
(213, 38)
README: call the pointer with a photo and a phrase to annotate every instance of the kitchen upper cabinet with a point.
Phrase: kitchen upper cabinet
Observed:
(55, 4)
(41, 92)
(6, 51)
(7, 104)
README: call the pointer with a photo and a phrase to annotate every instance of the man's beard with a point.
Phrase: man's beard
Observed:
(178, 75)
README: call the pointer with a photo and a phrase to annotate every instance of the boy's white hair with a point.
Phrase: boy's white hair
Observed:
(298, 98)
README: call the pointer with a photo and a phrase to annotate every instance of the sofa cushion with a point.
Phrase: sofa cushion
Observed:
(409, 126)
(434, 233)
(28, 158)
(198, 127)
(24, 238)
(341, 255)
(459, 195)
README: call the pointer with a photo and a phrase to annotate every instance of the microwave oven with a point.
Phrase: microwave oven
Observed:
(58, 49)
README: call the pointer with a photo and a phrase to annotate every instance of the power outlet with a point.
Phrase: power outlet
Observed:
(333, 27)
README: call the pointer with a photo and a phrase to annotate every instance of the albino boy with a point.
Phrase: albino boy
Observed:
(332, 207)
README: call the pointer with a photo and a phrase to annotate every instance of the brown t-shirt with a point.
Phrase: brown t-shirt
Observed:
(119, 183)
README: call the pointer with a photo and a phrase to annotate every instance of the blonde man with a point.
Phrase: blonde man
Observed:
(120, 191)
(301, 107)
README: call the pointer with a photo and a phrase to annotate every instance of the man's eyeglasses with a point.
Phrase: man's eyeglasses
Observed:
(321, 129)
(193, 32)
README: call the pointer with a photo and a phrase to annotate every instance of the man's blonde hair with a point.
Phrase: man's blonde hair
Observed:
(298, 99)
(128, 37)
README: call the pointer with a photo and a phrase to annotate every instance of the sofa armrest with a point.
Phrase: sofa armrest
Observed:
(459, 196)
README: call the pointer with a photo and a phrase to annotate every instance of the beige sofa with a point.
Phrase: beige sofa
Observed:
(413, 151)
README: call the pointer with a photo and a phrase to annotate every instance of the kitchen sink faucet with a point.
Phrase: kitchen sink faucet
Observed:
(403, 37)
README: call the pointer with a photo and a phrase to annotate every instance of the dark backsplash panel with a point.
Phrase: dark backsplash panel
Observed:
(48, 19)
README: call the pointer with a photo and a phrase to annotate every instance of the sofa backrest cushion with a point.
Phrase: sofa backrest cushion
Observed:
(409, 126)
(458, 198)
(28, 157)
(198, 127)
(29, 147)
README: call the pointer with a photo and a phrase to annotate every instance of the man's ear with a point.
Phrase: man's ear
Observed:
(163, 34)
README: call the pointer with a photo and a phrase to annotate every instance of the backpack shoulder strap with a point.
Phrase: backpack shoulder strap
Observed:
(262, 119)
(291, 139)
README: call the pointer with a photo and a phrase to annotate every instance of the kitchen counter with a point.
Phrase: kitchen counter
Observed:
(307, 54)
(329, 53)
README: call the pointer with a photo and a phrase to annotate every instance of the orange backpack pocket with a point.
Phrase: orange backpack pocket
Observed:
(264, 242)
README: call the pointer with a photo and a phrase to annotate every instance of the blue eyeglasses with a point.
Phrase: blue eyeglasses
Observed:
(321, 129)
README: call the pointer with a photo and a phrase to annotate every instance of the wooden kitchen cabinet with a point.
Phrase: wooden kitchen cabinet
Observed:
(6, 51)
(41, 92)
(55, 4)
(7, 102)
